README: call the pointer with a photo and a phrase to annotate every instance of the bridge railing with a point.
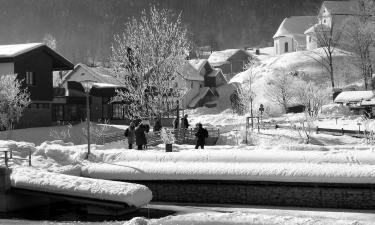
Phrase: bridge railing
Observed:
(8, 155)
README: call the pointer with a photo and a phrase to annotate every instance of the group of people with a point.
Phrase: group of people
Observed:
(138, 134)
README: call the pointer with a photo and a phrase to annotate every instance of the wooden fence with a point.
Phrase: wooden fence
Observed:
(182, 136)
(342, 131)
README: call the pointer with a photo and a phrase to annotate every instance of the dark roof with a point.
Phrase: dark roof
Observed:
(341, 7)
(11, 52)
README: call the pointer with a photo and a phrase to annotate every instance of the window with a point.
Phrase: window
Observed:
(286, 47)
(309, 38)
(118, 111)
(30, 78)
(324, 21)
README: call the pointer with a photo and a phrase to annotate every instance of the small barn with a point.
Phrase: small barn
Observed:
(230, 61)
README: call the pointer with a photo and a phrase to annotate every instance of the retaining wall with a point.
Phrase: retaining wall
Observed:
(354, 196)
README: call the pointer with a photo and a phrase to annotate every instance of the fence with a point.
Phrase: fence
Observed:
(182, 136)
(342, 131)
(8, 155)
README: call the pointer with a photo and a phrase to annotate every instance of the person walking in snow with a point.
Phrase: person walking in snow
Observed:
(130, 134)
(140, 135)
(201, 135)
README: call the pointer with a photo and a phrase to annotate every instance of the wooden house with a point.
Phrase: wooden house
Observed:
(74, 107)
(230, 61)
(201, 80)
(34, 63)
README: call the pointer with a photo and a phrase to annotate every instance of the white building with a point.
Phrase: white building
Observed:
(290, 36)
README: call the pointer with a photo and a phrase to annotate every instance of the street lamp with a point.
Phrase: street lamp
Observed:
(87, 85)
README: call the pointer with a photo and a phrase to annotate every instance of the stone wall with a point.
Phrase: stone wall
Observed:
(358, 196)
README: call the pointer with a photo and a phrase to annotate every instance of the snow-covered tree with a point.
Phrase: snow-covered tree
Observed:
(13, 101)
(50, 41)
(146, 58)
(312, 96)
(280, 88)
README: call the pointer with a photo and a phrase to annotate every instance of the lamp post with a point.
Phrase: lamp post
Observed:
(87, 85)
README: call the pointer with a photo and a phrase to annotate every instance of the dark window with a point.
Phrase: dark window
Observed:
(30, 78)
(118, 111)
(286, 47)
(309, 38)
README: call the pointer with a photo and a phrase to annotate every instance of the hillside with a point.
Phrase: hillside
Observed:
(309, 69)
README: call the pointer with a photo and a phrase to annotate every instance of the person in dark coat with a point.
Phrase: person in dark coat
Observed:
(140, 135)
(158, 125)
(130, 134)
(185, 122)
(201, 135)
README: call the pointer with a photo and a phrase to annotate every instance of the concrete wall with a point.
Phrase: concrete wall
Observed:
(264, 193)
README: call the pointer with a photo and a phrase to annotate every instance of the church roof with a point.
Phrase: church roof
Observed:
(341, 7)
(294, 25)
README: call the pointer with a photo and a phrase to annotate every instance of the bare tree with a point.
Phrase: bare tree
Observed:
(146, 58)
(360, 38)
(312, 96)
(13, 101)
(280, 89)
(245, 91)
(327, 38)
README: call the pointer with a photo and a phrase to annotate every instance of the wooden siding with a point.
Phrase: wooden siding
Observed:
(40, 64)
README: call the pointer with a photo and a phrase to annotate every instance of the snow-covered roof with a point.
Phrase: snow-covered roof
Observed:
(101, 74)
(353, 96)
(192, 69)
(59, 62)
(370, 102)
(295, 25)
(202, 93)
(218, 58)
(317, 27)
(214, 73)
(341, 7)
(17, 49)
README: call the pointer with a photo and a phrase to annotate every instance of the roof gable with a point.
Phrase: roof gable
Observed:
(11, 52)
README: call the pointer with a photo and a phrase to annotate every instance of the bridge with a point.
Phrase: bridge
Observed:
(22, 187)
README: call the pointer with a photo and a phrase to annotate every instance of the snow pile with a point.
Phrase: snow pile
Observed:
(240, 218)
(254, 164)
(36, 180)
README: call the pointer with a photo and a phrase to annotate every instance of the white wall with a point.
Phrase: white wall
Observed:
(311, 42)
(279, 45)
(6, 68)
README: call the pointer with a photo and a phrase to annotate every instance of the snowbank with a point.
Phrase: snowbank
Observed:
(318, 164)
(240, 218)
(39, 180)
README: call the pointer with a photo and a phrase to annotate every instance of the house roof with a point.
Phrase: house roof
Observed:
(192, 68)
(294, 25)
(341, 7)
(203, 92)
(218, 58)
(101, 74)
(353, 96)
(10, 52)
(317, 27)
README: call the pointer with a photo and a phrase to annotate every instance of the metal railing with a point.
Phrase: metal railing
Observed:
(8, 155)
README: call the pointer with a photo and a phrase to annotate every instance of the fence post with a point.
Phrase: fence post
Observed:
(6, 158)
(276, 126)
(29, 157)
(342, 129)
(317, 130)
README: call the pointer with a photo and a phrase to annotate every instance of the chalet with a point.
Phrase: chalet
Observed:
(332, 15)
(358, 101)
(34, 63)
(230, 61)
(201, 80)
(73, 104)
(290, 36)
